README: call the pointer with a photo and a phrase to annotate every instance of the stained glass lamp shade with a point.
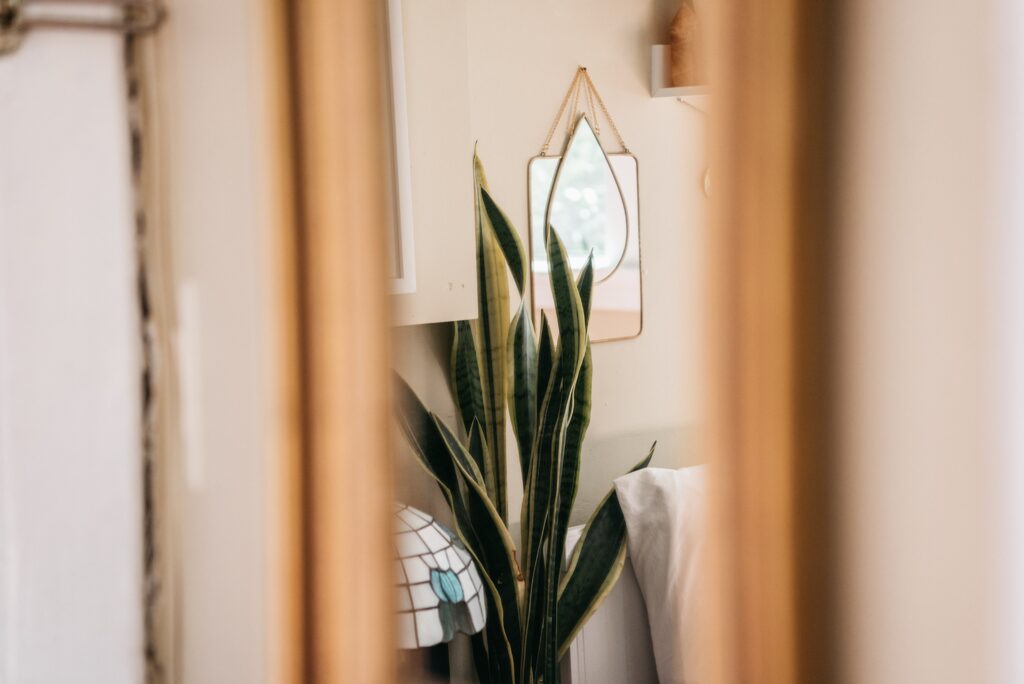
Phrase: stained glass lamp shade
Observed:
(439, 591)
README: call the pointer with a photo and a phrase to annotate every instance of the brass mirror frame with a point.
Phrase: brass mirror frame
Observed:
(554, 184)
(547, 215)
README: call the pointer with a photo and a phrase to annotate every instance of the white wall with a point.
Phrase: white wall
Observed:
(918, 474)
(1008, 280)
(212, 139)
(70, 369)
(522, 57)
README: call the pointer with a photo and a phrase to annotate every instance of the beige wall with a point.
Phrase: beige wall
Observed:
(1008, 142)
(521, 59)
(917, 476)
(212, 209)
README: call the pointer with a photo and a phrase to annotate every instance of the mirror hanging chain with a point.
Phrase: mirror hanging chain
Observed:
(582, 84)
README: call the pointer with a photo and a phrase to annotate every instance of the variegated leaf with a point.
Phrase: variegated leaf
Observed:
(493, 326)
(543, 558)
(595, 566)
(477, 521)
(545, 359)
(508, 239)
(522, 393)
(465, 375)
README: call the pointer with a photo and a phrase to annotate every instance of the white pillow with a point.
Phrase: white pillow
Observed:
(665, 517)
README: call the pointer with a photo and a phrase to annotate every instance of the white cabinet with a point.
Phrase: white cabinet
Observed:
(433, 162)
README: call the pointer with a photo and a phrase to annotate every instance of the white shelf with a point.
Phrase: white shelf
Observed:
(661, 81)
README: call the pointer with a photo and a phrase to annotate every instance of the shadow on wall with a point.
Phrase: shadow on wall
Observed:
(603, 458)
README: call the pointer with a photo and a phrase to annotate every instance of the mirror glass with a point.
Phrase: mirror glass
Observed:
(585, 206)
(590, 198)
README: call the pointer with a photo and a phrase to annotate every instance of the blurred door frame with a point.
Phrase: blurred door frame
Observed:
(335, 576)
(769, 383)
(770, 370)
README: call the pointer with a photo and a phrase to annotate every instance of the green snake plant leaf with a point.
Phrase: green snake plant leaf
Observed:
(568, 475)
(557, 400)
(433, 443)
(483, 664)
(569, 313)
(494, 542)
(430, 447)
(585, 284)
(522, 391)
(464, 459)
(580, 417)
(476, 520)
(508, 239)
(465, 377)
(478, 449)
(493, 323)
(545, 361)
(579, 420)
(595, 566)
(538, 485)
(542, 556)
(545, 381)
(533, 616)
(427, 443)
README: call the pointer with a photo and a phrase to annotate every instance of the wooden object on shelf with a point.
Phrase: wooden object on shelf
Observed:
(686, 48)
(661, 84)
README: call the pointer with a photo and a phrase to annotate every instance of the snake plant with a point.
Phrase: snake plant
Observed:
(500, 365)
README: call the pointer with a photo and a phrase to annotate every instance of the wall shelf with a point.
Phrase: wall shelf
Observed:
(661, 82)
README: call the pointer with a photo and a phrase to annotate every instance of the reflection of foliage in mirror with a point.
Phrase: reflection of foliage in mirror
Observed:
(585, 206)
(617, 296)
(584, 198)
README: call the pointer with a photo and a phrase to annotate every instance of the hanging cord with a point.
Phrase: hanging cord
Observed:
(575, 112)
(581, 82)
(592, 111)
(597, 96)
(561, 110)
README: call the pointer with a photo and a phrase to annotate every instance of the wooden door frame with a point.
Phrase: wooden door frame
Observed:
(769, 383)
(333, 574)
(770, 380)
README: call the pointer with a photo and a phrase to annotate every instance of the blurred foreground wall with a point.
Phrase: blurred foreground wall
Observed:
(70, 367)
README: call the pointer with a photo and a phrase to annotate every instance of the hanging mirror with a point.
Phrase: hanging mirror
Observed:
(590, 198)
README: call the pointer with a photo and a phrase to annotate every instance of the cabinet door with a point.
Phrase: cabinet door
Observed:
(433, 163)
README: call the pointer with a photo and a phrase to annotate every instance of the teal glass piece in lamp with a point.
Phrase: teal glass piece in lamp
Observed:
(439, 591)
